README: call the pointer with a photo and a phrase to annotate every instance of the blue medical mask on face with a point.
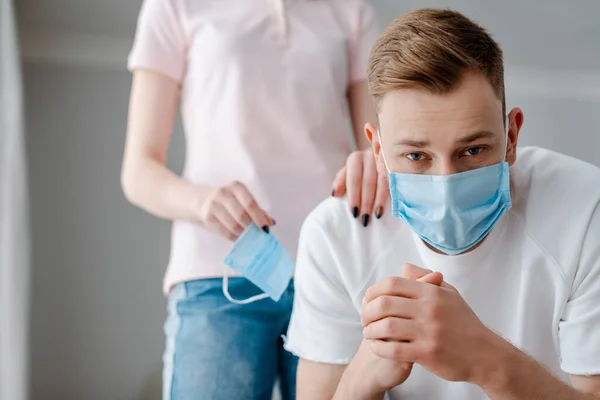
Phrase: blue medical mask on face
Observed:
(451, 212)
(261, 259)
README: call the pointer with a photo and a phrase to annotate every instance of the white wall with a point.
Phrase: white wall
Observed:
(98, 262)
(97, 309)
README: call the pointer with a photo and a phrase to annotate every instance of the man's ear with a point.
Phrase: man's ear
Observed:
(515, 122)
(373, 136)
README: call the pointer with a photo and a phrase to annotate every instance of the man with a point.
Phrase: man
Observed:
(512, 309)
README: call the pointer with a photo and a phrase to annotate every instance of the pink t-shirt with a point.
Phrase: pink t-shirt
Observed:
(263, 102)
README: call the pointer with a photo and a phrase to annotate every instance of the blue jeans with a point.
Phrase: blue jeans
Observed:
(218, 350)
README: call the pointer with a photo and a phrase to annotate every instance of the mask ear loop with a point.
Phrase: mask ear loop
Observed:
(231, 299)
(382, 153)
(506, 141)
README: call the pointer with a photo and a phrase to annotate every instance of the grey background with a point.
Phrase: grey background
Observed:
(98, 262)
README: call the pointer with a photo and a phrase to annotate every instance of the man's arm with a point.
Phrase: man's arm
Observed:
(520, 377)
(352, 385)
(325, 329)
(316, 381)
(586, 384)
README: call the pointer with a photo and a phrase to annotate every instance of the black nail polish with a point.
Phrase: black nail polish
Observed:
(355, 212)
(365, 220)
(333, 193)
(265, 229)
(379, 212)
(274, 222)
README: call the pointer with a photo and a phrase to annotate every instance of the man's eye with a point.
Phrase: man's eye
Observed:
(474, 151)
(415, 156)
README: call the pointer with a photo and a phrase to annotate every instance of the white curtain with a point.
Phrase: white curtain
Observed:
(14, 232)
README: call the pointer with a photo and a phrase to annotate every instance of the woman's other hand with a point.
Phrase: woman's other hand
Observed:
(367, 190)
(230, 209)
(149, 184)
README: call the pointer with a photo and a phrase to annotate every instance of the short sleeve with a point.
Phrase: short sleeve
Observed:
(579, 328)
(365, 33)
(160, 42)
(325, 326)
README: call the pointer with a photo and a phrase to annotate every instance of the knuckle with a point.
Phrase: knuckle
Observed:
(431, 310)
(433, 293)
(354, 157)
(435, 332)
(383, 304)
(387, 326)
(394, 283)
(222, 193)
(241, 215)
(236, 185)
(370, 181)
(250, 204)
(355, 179)
(432, 349)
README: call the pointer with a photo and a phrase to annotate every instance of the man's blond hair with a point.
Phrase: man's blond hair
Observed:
(433, 49)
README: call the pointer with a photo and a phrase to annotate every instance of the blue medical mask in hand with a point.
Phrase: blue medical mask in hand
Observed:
(451, 212)
(260, 258)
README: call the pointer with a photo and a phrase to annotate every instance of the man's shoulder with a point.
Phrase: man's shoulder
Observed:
(548, 181)
(333, 218)
(333, 241)
(544, 163)
(555, 195)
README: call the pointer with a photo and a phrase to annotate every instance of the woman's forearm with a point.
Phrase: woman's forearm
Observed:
(151, 186)
(145, 179)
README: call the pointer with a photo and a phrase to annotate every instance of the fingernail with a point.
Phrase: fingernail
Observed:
(379, 212)
(355, 212)
(333, 192)
(265, 229)
(364, 300)
(365, 220)
(274, 222)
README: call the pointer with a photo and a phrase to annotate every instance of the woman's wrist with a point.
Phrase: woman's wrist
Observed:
(199, 197)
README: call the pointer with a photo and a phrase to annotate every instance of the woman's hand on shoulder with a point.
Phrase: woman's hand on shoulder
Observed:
(366, 188)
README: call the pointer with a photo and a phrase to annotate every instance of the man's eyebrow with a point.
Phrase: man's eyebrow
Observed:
(475, 136)
(425, 143)
(412, 143)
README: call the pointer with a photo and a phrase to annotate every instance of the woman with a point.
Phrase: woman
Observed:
(266, 89)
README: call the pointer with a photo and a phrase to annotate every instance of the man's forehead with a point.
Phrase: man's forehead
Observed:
(472, 99)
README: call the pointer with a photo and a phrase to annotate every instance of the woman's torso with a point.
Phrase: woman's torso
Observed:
(264, 103)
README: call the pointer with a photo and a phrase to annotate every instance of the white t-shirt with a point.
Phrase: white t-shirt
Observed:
(535, 279)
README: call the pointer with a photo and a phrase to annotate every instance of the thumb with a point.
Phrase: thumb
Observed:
(410, 271)
(434, 278)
